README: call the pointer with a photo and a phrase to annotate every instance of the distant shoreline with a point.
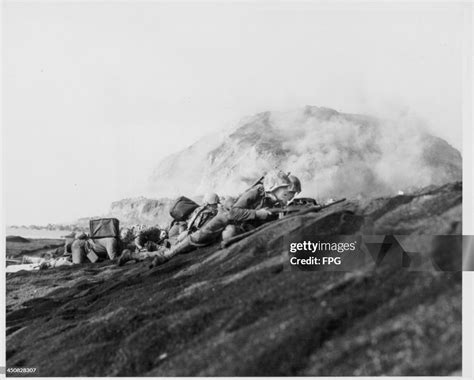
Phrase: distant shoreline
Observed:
(49, 227)
(33, 233)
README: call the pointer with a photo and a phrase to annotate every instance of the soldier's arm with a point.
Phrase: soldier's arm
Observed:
(240, 211)
(241, 214)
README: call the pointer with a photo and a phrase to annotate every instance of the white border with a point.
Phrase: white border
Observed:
(468, 173)
(2, 217)
(468, 190)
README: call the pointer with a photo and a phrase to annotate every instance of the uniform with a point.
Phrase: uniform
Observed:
(242, 214)
(139, 234)
(109, 245)
(245, 214)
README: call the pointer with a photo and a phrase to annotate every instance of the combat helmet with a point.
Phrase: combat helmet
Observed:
(275, 179)
(211, 199)
(295, 184)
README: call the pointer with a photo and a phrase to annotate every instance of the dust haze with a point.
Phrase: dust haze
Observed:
(334, 154)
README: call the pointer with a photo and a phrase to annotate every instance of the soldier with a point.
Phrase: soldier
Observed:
(196, 220)
(246, 213)
(109, 245)
(202, 214)
(79, 248)
(137, 236)
(148, 235)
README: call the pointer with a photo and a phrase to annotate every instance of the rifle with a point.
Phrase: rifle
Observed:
(296, 211)
(313, 208)
(259, 181)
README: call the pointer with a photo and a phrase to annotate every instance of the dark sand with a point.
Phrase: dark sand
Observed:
(241, 311)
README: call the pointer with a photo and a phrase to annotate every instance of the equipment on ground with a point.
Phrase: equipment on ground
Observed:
(92, 256)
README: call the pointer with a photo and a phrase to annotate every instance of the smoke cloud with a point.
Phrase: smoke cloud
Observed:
(334, 154)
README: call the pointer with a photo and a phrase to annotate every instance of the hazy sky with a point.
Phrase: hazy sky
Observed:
(94, 94)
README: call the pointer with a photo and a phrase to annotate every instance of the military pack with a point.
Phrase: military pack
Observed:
(182, 208)
(201, 216)
(104, 228)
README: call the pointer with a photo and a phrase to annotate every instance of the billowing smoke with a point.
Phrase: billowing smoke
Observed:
(334, 155)
(351, 157)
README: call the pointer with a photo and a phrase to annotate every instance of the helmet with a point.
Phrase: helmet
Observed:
(211, 199)
(275, 179)
(80, 235)
(295, 184)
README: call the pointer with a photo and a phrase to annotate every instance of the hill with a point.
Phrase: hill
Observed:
(142, 210)
(335, 155)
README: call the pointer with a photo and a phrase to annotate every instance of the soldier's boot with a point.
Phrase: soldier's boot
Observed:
(128, 255)
(167, 254)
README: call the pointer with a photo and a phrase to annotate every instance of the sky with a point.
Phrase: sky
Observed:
(94, 94)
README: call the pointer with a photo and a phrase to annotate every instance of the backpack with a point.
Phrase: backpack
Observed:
(103, 228)
(182, 208)
(201, 216)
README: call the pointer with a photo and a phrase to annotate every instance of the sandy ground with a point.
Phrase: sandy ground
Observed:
(240, 311)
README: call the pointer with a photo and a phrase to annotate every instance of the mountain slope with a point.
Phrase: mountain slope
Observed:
(142, 211)
(335, 154)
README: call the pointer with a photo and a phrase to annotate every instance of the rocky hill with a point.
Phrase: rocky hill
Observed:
(242, 311)
(139, 210)
(142, 210)
(335, 154)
